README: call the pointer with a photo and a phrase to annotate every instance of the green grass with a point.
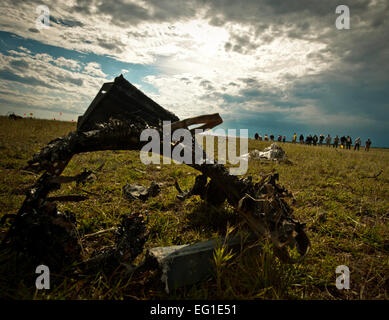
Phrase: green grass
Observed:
(347, 221)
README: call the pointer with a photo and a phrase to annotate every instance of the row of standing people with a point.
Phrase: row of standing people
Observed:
(343, 142)
(269, 138)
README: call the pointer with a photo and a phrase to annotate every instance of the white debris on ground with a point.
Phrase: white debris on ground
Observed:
(274, 152)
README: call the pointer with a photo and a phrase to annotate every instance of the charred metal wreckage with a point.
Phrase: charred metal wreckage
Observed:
(114, 121)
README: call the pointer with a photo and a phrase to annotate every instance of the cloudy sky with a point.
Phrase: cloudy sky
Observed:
(269, 66)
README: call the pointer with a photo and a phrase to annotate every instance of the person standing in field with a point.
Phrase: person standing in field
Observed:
(266, 138)
(279, 138)
(314, 139)
(256, 136)
(328, 140)
(342, 142)
(336, 141)
(294, 138)
(301, 139)
(272, 137)
(260, 138)
(321, 138)
(357, 143)
(283, 139)
(367, 144)
(349, 142)
(308, 140)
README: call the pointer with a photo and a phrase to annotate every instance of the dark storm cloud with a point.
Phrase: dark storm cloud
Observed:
(266, 123)
(251, 92)
(264, 13)
(317, 8)
(357, 81)
(260, 98)
(333, 95)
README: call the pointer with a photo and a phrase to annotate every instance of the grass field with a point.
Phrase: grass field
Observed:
(347, 216)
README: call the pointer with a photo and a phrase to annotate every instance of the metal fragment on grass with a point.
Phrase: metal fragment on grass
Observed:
(188, 264)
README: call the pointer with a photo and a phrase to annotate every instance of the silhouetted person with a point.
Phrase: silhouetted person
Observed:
(14, 116)
(301, 139)
(314, 139)
(336, 142)
(367, 144)
(357, 143)
(309, 139)
(342, 141)
(271, 137)
(349, 142)
(283, 139)
(256, 136)
(321, 139)
(328, 140)
(294, 138)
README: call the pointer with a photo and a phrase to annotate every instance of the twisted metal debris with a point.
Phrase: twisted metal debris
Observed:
(41, 232)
